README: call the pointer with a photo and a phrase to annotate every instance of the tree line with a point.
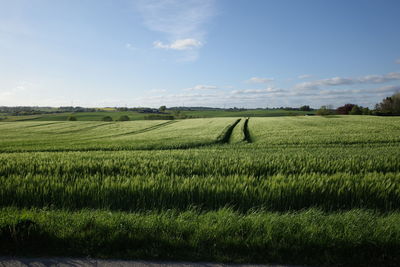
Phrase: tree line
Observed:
(390, 106)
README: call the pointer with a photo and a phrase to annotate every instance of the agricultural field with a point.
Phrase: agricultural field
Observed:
(134, 115)
(291, 190)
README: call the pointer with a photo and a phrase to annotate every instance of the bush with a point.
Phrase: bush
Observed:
(124, 118)
(107, 118)
(324, 110)
(305, 108)
(356, 110)
(158, 117)
(71, 118)
(345, 110)
(366, 111)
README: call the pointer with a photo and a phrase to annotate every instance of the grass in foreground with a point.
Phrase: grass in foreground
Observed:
(351, 238)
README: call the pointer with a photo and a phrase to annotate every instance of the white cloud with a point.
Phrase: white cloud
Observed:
(337, 81)
(157, 91)
(346, 92)
(397, 61)
(384, 89)
(258, 91)
(201, 87)
(304, 76)
(181, 21)
(181, 44)
(259, 80)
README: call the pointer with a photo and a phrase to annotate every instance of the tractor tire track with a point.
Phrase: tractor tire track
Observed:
(224, 137)
(246, 132)
(151, 128)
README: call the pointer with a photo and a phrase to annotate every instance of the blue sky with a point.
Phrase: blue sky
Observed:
(219, 53)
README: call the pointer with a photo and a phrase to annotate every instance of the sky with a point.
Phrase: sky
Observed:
(215, 53)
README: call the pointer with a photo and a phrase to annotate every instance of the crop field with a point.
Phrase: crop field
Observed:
(134, 115)
(294, 190)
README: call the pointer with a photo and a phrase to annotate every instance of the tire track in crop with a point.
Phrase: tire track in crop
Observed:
(44, 124)
(87, 128)
(246, 132)
(224, 137)
(148, 129)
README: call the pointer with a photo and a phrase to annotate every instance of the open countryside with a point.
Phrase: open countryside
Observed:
(210, 133)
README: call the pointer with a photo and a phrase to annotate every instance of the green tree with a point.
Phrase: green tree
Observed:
(324, 110)
(389, 105)
(72, 118)
(107, 118)
(366, 111)
(162, 108)
(124, 118)
(305, 108)
(356, 110)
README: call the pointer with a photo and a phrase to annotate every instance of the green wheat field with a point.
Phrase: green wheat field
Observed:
(303, 189)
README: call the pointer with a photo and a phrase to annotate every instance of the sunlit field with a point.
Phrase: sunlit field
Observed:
(310, 190)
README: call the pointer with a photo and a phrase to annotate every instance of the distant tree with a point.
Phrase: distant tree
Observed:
(356, 110)
(162, 108)
(107, 118)
(345, 110)
(71, 118)
(366, 111)
(324, 110)
(124, 118)
(389, 105)
(305, 108)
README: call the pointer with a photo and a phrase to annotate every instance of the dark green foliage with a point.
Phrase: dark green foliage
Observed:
(158, 117)
(345, 110)
(356, 110)
(324, 110)
(72, 118)
(390, 105)
(305, 108)
(124, 118)
(107, 118)
(366, 111)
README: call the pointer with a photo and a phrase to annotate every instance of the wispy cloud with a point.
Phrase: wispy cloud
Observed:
(201, 87)
(304, 76)
(181, 21)
(346, 92)
(181, 44)
(259, 80)
(337, 81)
(130, 46)
(258, 91)
(397, 61)
(157, 91)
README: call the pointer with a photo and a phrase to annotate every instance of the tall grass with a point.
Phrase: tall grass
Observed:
(178, 178)
(137, 193)
(354, 238)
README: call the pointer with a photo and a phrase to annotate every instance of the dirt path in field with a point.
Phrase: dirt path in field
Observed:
(41, 262)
